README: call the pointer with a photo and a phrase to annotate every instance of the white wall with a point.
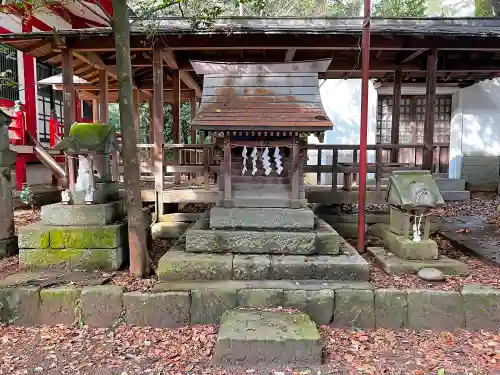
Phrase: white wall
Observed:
(475, 127)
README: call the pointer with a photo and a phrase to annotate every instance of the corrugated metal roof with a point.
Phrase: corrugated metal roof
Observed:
(281, 96)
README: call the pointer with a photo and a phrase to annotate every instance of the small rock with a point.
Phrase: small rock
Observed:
(431, 274)
(38, 369)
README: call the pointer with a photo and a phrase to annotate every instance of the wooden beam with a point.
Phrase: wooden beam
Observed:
(396, 107)
(290, 53)
(95, 111)
(176, 117)
(103, 96)
(171, 61)
(430, 103)
(158, 127)
(68, 91)
(414, 55)
(37, 45)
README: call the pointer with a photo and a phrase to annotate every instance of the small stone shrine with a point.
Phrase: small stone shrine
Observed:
(8, 241)
(261, 227)
(410, 195)
(85, 229)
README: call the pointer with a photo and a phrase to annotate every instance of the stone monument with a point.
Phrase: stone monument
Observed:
(8, 241)
(410, 195)
(86, 229)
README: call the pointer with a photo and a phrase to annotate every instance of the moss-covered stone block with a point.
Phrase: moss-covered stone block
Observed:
(90, 237)
(101, 305)
(180, 265)
(251, 267)
(260, 298)
(391, 309)
(354, 308)
(20, 305)
(33, 236)
(207, 306)
(59, 305)
(106, 259)
(435, 309)
(482, 307)
(158, 310)
(317, 304)
(82, 214)
(327, 239)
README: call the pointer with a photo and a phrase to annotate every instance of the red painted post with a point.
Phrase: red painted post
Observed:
(364, 125)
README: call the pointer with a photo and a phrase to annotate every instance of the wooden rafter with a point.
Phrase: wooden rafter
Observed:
(171, 61)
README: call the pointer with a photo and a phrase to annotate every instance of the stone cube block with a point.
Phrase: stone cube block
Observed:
(157, 310)
(181, 265)
(482, 307)
(251, 267)
(208, 305)
(260, 298)
(59, 305)
(391, 310)
(88, 214)
(101, 305)
(317, 304)
(327, 239)
(34, 236)
(435, 309)
(20, 305)
(354, 308)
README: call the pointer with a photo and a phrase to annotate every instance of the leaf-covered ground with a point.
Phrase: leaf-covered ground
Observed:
(131, 350)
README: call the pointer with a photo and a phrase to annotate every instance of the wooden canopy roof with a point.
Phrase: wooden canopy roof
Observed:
(468, 49)
(274, 96)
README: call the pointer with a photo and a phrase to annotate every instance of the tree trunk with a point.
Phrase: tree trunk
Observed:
(139, 262)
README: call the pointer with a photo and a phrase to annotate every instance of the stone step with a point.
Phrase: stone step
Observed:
(245, 199)
(459, 195)
(179, 265)
(450, 184)
(261, 218)
(254, 338)
(88, 214)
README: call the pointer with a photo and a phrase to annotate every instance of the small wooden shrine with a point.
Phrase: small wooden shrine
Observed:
(260, 116)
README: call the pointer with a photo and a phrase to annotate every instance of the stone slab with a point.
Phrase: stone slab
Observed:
(169, 229)
(207, 306)
(157, 310)
(8, 247)
(251, 267)
(260, 218)
(354, 309)
(39, 236)
(405, 248)
(435, 309)
(327, 239)
(199, 238)
(106, 259)
(20, 305)
(349, 265)
(255, 338)
(59, 305)
(391, 264)
(482, 307)
(391, 309)
(317, 304)
(91, 214)
(180, 265)
(347, 230)
(259, 202)
(101, 305)
(260, 298)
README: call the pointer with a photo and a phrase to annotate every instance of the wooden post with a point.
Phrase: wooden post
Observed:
(335, 161)
(193, 115)
(103, 96)
(206, 167)
(68, 90)
(227, 168)
(176, 119)
(396, 110)
(151, 133)
(295, 170)
(137, 118)
(95, 111)
(318, 174)
(158, 125)
(430, 103)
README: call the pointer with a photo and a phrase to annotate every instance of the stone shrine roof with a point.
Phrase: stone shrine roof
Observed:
(85, 138)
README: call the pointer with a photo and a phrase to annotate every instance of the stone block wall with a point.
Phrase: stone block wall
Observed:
(481, 173)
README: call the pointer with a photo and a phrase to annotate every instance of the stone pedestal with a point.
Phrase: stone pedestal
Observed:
(85, 236)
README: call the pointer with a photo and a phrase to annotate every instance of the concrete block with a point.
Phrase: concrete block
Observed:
(169, 229)
(317, 304)
(106, 259)
(257, 218)
(34, 236)
(259, 338)
(90, 214)
(89, 237)
(482, 307)
(59, 305)
(180, 265)
(403, 247)
(8, 247)
(20, 305)
(157, 310)
(347, 230)
(435, 309)
(208, 305)
(101, 305)
(391, 310)
(260, 298)
(450, 184)
(397, 266)
(327, 239)
(459, 195)
(251, 267)
(354, 308)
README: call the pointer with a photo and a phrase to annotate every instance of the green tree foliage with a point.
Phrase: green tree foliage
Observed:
(487, 8)
(400, 8)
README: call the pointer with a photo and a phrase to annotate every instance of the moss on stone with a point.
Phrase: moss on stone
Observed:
(87, 237)
(93, 258)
